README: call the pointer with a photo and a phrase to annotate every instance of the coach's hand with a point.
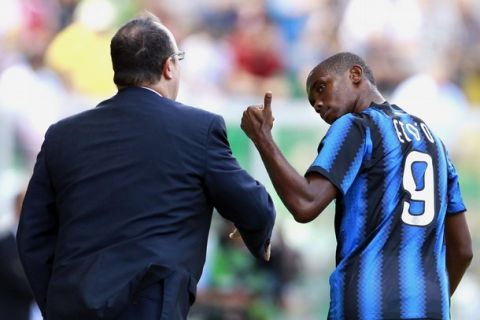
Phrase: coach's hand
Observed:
(257, 120)
(268, 252)
(236, 235)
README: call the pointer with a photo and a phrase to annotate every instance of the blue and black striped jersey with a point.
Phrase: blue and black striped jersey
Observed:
(396, 185)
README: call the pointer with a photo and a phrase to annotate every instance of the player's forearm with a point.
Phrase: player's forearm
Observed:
(459, 250)
(292, 188)
(457, 264)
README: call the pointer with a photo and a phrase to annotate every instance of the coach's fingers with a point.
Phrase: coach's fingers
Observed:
(234, 234)
(268, 252)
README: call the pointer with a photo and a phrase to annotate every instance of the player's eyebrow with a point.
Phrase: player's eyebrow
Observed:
(317, 83)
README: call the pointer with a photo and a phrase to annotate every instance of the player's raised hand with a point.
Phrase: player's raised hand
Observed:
(267, 105)
(257, 120)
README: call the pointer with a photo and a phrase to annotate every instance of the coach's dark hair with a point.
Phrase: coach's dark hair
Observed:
(139, 50)
(343, 61)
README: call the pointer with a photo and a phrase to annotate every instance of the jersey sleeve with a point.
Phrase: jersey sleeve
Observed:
(455, 202)
(341, 152)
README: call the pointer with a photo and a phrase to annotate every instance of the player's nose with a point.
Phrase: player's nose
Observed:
(318, 105)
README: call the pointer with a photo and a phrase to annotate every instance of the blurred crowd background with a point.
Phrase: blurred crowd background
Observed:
(425, 54)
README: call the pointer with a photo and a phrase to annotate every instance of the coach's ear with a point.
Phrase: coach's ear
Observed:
(356, 74)
(168, 69)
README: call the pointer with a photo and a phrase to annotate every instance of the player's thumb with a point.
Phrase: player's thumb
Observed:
(267, 102)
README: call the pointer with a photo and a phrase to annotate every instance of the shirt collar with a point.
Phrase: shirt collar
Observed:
(152, 91)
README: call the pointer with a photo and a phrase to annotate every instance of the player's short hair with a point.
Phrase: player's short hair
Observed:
(139, 50)
(343, 61)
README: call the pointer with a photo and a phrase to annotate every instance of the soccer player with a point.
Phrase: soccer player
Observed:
(403, 243)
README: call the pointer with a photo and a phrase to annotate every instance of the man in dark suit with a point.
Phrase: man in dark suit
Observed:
(116, 216)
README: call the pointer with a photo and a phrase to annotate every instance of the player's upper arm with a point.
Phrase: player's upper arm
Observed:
(455, 202)
(323, 192)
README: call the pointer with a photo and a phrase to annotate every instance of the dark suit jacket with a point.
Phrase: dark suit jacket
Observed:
(15, 294)
(121, 198)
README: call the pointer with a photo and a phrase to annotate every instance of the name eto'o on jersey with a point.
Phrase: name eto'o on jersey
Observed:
(406, 132)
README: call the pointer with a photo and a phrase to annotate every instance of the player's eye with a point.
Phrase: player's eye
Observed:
(320, 88)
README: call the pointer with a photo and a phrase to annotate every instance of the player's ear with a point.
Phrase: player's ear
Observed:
(356, 74)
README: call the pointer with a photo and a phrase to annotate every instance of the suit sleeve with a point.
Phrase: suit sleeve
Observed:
(235, 194)
(38, 228)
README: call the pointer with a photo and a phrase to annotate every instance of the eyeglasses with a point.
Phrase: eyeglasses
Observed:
(179, 54)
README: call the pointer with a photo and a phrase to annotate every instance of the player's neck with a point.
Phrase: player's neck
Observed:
(372, 95)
